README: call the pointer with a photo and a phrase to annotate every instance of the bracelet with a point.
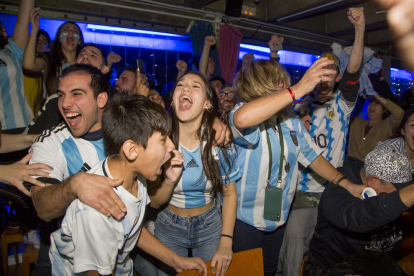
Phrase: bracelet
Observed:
(333, 180)
(292, 94)
(340, 180)
(228, 236)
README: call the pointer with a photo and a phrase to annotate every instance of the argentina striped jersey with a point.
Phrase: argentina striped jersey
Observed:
(66, 154)
(253, 159)
(89, 240)
(330, 121)
(15, 112)
(193, 189)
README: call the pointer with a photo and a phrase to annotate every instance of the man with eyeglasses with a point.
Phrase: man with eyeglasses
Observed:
(227, 97)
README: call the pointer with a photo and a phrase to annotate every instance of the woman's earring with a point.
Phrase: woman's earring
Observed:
(209, 108)
(172, 105)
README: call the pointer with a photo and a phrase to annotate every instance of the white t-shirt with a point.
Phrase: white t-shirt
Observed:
(89, 240)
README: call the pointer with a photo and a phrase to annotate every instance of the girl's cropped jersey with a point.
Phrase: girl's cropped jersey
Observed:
(193, 189)
(253, 159)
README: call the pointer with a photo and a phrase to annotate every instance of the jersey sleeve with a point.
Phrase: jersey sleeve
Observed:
(247, 136)
(94, 242)
(309, 151)
(47, 151)
(18, 53)
(230, 172)
(349, 86)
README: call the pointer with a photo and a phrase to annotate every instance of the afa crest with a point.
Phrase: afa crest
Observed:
(331, 113)
(294, 138)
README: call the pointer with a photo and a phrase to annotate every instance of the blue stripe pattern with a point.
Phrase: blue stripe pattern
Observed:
(72, 155)
(100, 149)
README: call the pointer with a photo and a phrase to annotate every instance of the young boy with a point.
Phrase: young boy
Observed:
(135, 132)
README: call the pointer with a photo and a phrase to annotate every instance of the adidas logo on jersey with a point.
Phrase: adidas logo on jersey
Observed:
(192, 164)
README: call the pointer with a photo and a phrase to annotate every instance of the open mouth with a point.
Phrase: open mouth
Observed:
(70, 41)
(185, 103)
(73, 118)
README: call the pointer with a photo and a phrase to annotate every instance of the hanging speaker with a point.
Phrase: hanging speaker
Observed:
(233, 8)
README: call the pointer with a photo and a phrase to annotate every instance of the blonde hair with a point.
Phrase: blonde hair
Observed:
(259, 78)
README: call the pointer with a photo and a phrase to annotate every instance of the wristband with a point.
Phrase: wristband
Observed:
(228, 236)
(292, 94)
(340, 180)
(333, 180)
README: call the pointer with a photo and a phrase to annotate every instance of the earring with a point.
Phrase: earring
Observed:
(209, 108)
(172, 105)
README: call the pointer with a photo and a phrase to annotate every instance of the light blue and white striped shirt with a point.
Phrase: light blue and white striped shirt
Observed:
(253, 158)
(66, 154)
(15, 112)
(89, 240)
(193, 190)
(329, 128)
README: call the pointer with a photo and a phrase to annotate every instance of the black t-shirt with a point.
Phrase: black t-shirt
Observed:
(347, 224)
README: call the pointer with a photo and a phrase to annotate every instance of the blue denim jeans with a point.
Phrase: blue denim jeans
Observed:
(200, 234)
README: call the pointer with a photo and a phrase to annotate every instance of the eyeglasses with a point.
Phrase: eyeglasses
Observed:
(230, 95)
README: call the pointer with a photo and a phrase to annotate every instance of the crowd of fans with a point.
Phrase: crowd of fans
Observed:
(126, 180)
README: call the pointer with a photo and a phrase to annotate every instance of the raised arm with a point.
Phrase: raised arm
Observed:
(21, 29)
(112, 58)
(397, 112)
(274, 40)
(208, 42)
(30, 61)
(259, 110)
(356, 16)
(93, 190)
(181, 67)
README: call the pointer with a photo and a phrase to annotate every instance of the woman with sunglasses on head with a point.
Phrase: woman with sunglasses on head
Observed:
(193, 220)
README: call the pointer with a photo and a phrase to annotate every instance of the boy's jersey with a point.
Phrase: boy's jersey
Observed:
(193, 189)
(253, 158)
(15, 112)
(89, 240)
(66, 154)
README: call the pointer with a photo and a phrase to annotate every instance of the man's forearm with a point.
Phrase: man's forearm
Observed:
(357, 51)
(52, 201)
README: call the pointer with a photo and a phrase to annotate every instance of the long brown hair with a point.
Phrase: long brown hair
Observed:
(56, 58)
(205, 132)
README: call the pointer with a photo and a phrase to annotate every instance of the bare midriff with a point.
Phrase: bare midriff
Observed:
(190, 212)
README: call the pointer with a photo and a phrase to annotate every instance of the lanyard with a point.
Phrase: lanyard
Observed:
(282, 155)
